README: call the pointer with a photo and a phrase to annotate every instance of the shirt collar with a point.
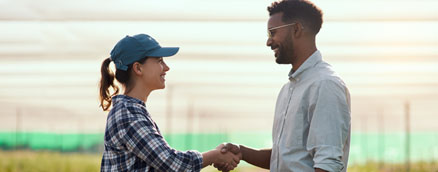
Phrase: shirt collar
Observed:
(124, 98)
(310, 62)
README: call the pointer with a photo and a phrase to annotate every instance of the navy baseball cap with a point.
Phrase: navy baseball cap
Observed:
(133, 48)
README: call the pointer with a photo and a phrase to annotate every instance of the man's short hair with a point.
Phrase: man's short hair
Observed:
(302, 10)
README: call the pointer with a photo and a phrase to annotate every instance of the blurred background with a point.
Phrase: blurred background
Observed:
(223, 83)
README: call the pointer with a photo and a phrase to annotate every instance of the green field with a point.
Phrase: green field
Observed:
(41, 151)
(47, 161)
(387, 147)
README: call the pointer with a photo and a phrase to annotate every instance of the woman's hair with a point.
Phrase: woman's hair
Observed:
(107, 81)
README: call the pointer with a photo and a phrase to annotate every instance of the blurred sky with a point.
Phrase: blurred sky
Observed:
(224, 78)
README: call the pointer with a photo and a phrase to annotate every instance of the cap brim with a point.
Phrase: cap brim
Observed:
(164, 52)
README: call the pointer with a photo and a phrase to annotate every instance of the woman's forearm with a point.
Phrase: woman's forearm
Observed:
(208, 157)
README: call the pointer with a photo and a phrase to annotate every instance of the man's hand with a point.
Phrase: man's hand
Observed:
(319, 170)
(224, 148)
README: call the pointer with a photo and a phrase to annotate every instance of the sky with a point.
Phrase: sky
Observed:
(224, 78)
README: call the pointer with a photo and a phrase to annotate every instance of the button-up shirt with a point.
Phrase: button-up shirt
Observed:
(133, 142)
(312, 120)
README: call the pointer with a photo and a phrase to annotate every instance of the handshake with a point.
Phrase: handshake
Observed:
(226, 156)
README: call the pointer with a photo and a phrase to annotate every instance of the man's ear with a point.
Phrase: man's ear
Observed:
(298, 30)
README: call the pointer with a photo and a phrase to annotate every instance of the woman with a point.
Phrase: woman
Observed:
(133, 141)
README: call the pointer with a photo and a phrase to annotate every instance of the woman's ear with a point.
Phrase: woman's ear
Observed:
(136, 67)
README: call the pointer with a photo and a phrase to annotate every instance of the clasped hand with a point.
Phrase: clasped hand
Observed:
(229, 157)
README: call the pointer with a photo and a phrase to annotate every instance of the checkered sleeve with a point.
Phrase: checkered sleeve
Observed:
(142, 139)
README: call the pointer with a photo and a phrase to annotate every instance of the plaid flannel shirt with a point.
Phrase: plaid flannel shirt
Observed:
(133, 142)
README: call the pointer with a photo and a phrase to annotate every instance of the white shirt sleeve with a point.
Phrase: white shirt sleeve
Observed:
(329, 125)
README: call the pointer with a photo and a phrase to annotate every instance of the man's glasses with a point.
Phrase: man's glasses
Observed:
(278, 27)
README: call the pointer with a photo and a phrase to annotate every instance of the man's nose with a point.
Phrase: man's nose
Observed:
(269, 42)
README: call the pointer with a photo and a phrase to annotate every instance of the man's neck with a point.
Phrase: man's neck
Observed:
(302, 57)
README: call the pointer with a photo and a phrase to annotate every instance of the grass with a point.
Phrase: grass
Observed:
(380, 167)
(47, 161)
(39, 161)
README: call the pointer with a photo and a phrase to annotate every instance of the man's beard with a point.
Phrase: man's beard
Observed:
(285, 53)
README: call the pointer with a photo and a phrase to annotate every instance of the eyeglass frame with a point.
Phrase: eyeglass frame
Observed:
(278, 27)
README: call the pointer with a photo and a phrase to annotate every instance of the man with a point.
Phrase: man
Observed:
(311, 130)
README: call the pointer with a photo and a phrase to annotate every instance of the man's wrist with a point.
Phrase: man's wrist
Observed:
(242, 150)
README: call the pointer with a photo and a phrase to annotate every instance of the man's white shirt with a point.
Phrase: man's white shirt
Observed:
(312, 120)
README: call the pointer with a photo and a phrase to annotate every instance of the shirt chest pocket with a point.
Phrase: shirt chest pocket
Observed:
(295, 128)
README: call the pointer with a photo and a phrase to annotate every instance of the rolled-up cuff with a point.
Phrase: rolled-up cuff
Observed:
(328, 158)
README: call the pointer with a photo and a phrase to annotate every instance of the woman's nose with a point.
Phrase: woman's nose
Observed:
(166, 68)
